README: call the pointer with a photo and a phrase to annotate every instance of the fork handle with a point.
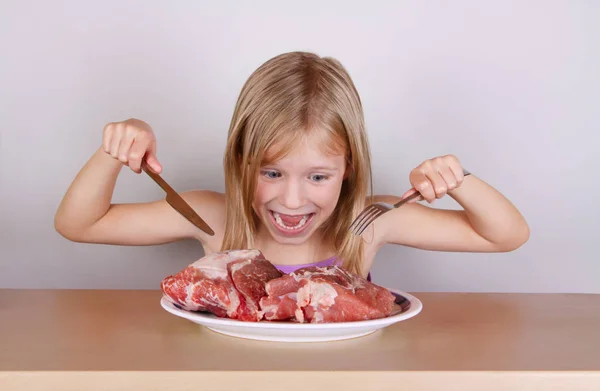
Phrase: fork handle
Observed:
(417, 194)
(409, 198)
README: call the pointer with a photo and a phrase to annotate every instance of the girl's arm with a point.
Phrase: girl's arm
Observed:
(488, 222)
(86, 213)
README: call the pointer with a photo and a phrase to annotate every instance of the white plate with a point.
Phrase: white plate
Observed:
(294, 332)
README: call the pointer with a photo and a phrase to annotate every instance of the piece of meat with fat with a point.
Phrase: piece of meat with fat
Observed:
(204, 286)
(249, 277)
(227, 284)
(325, 295)
(281, 302)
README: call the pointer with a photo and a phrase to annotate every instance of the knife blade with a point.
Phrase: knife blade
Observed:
(178, 203)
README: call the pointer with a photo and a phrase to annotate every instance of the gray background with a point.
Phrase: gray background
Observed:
(512, 88)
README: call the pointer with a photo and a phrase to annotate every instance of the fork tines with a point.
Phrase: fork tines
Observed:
(366, 217)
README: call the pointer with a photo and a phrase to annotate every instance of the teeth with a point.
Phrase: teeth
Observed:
(282, 225)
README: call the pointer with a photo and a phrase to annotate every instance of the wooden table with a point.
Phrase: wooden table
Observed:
(124, 340)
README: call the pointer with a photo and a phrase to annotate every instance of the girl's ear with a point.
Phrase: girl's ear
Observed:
(349, 168)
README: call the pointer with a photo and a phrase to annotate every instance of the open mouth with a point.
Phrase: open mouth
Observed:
(291, 224)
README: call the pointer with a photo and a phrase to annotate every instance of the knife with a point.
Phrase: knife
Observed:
(177, 202)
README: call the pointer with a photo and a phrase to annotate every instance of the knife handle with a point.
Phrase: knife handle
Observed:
(157, 178)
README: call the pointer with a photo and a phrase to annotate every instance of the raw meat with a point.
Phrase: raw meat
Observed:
(324, 295)
(249, 277)
(228, 284)
(243, 285)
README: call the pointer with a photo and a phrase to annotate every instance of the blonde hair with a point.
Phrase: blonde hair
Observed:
(286, 98)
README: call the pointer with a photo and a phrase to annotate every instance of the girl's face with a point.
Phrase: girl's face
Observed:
(297, 193)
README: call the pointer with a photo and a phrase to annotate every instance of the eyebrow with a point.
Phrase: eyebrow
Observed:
(315, 168)
(312, 168)
(324, 168)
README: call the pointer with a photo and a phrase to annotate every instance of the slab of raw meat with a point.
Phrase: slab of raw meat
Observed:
(324, 295)
(249, 276)
(228, 284)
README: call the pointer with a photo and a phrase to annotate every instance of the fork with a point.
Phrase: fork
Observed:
(373, 211)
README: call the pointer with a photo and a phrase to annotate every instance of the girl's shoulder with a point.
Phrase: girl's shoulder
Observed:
(205, 202)
(203, 198)
(210, 206)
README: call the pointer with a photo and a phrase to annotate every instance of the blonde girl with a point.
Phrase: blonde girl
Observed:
(297, 172)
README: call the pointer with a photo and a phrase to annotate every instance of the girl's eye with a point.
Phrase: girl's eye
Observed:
(271, 174)
(318, 177)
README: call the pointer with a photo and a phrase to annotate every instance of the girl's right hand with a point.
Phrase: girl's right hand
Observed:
(131, 142)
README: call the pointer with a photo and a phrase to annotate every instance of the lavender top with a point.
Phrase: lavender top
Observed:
(292, 268)
(327, 262)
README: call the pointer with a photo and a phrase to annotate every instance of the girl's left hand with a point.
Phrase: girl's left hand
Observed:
(434, 178)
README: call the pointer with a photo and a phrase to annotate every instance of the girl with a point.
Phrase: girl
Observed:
(297, 172)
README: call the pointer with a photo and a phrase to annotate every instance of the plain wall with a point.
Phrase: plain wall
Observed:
(512, 88)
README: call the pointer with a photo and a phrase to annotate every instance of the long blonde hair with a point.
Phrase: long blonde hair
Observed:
(284, 99)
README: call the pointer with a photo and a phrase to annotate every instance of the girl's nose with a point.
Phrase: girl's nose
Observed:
(293, 196)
